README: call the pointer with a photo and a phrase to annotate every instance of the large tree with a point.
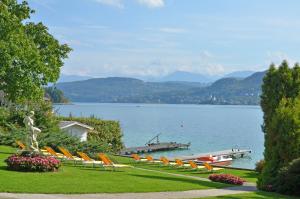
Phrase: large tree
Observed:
(280, 102)
(30, 57)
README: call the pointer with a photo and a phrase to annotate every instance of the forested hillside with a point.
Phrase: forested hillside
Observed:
(129, 90)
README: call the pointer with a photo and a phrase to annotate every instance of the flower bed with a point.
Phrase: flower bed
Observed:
(37, 163)
(226, 178)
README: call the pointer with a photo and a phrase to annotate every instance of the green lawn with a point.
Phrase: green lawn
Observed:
(249, 176)
(254, 195)
(78, 179)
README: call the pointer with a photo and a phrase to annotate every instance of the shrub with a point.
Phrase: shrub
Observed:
(259, 166)
(289, 179)
(9, 138)
(226, 178)
(35, 163)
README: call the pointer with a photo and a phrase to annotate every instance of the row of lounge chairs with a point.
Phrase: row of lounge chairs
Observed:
(105, 161)
(177, 163)
(82, 157)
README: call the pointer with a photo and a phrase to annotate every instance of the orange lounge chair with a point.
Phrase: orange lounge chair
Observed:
(180, 163)
(151, 159)
(53, 153)
(69, 155)
(167, 162)
(108, 163)
(193, 165)
(211, 168)
(88, 160)
(21, 145)
(137, 158)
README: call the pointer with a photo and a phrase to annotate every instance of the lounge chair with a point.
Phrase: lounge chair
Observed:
(69, 156)
(53, 153)
(88, 160)
(137, 158)
(167, 162)
(151, 159)
(211, 168)
(108, 163)
(180, 163)
(21, 145)
(193, 165)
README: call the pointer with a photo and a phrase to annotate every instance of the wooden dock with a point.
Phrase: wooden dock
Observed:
(164, 146)
(233, 153)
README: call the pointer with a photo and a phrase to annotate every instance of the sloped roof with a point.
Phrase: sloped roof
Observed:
(66, 124)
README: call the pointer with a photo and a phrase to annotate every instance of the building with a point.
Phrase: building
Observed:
(76, 129)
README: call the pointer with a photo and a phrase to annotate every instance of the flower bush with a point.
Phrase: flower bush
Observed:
(226, 178)
(37, 163)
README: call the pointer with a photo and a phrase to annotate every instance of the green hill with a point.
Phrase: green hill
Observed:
(130, 90)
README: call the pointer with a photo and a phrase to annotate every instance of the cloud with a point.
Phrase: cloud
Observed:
(120, 3)
(114, 3)
(172, 30)
(152, 3)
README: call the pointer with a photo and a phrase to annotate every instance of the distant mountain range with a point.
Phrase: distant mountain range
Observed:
(188, 77)
(72, 78)
(229, 90)
(181, 76)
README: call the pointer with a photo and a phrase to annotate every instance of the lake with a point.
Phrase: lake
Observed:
(208, 127)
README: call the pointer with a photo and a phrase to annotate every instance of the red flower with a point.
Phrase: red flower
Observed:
(226, 178)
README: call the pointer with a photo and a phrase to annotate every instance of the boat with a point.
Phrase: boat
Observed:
(219, 160)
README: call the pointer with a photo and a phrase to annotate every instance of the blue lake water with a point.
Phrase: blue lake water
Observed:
(208, 127)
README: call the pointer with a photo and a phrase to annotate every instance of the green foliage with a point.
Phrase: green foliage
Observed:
(280, 103)
(259, 166)
(30, 56)
(106, 133)
(289, 178)
(13, 135)
(105, 138)
(55, 95)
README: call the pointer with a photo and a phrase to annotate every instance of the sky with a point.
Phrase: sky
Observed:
(152, 38)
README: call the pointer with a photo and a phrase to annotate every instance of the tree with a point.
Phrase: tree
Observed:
(280, 102)
(55, 95)
(30, 57)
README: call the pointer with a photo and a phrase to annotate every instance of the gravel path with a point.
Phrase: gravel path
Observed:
(154, 195)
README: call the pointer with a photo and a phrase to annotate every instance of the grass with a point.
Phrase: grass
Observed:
(71, 179)
(253, 195)
(249, 176)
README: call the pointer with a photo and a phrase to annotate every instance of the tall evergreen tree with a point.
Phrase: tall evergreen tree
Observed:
(281, 106)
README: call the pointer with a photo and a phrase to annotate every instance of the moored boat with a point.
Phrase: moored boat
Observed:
(219, 160)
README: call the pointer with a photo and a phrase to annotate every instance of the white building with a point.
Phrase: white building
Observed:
(75, 129)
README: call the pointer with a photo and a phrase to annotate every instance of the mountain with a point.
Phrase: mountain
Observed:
(120, 89)
(240, 74)
(184, 76)
(130, 90)
(72, 78)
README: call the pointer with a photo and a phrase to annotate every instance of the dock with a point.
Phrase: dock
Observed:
(151, 146)
(165, 146)
(233, 153)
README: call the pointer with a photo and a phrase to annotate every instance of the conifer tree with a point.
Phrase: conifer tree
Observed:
(280, 103)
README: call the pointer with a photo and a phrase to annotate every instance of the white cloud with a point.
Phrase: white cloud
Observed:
(152, 3)
(172, 30)
(114, 3)
(120, 3)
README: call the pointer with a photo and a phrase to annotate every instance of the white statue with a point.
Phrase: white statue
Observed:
(33, 131)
